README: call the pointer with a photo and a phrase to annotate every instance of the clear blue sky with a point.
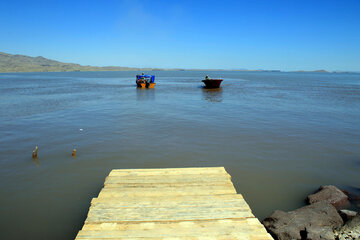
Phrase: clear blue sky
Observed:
(285, 35)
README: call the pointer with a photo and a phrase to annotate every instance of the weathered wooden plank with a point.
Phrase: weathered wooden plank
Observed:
(225, 237)
(168, 171)
(167, 191)
(162, 170)
(230, 236)
(171, 204)
(211, 224)
(126, 213)
(176, 232)
(200, 215)
(240, 224)
(190, 189)
(175, 199)
(231, 233)
(165, 186)
(154, 194)
(214, 237)
(168, 179)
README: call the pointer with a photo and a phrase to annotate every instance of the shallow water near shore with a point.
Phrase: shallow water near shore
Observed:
(279, 135)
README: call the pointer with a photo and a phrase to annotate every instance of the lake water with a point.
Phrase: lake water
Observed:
(279, 135)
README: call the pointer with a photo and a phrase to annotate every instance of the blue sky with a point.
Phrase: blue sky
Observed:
(285, 35)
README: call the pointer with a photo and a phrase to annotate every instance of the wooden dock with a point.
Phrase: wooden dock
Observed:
(171, 204)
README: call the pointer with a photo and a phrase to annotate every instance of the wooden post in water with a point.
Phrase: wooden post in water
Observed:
(34, 153)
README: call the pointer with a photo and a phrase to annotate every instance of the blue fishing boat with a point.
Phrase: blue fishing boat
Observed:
(145, 81)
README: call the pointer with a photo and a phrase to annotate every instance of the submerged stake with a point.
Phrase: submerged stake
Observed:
(34, 153)
(74, 153)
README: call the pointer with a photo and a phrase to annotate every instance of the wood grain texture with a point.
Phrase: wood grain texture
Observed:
(178, 203)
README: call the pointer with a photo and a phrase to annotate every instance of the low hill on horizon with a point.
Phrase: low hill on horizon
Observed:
(22, 63)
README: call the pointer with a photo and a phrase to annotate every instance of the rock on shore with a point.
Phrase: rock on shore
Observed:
(347, 214)
(329, 194)
(316, 221)
(321, 220)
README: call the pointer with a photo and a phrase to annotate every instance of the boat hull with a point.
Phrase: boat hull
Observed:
(151, 85)
(145, 85)
(212, 83)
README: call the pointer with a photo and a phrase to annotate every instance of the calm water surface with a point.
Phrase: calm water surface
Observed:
(280, 136)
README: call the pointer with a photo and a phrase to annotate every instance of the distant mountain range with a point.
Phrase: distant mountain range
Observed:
(22, 63)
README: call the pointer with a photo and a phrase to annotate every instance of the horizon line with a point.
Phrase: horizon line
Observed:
(192, 69)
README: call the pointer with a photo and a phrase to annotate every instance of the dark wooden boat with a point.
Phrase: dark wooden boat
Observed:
(212, 83)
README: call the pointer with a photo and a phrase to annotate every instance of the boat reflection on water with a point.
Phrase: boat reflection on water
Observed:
(145, 94)
(212, 94)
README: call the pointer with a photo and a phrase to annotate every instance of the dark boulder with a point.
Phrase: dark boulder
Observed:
(316, 221)
(330, 194)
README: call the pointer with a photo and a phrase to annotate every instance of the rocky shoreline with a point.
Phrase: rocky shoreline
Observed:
(326, 217)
